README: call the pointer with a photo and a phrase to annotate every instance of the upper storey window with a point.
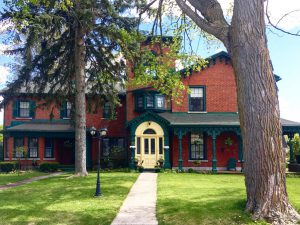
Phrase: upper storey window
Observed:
(197, 99)
(66, 110)
(23, 109)
(149, 101)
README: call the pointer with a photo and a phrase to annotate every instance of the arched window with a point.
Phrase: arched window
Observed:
(149, 131)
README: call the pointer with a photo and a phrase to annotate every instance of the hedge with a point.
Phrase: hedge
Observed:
(7, 167)
(49, 167)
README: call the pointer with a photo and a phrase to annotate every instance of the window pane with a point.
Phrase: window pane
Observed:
(152, 146)
(146, 145)
(18, 143)
(196, 92)
(138, 147)
(48, 148)
(106, 110)
(33, 147)
(69, 108)
(24, 109)
(160, 101)
(160, 146)
(149, 131)
(149, 101)
(140, 102)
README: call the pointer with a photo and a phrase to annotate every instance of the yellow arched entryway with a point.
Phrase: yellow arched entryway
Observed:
(149, 139)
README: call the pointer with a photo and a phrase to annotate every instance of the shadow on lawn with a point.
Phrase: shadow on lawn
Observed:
(59, 200)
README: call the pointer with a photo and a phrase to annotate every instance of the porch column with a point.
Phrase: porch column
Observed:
(291, 136)
(132, 148)
(167, 164)
(240, 151)
(180, 150)
(214, 157)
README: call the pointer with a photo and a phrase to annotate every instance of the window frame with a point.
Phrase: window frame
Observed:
(144, 96)
(204, 146)
(37, 147)
(112, 142)
(204, 99)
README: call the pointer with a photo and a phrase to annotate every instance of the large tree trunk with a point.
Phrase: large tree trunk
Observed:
(259, 115)
(258, 107)
(80, 102)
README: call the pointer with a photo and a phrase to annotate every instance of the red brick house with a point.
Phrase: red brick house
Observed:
(201, 133)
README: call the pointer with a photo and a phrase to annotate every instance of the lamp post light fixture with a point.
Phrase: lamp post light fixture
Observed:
(100, 133)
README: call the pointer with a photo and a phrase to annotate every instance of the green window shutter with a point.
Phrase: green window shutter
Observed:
(63, 110)
(16, 105)
(32, 109)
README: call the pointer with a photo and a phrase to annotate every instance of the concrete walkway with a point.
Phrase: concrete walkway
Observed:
(22, 182)
(140, 205)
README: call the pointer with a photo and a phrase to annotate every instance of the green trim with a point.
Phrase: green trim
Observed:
(204, 97)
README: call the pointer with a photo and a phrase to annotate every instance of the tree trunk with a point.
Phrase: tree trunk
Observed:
(80, 102)
(258, 108)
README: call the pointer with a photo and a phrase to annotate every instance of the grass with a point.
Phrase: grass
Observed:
(7, 178)
(205, 199)
(66, 200)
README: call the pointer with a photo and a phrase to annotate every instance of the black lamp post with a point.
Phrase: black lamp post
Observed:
(100, 133)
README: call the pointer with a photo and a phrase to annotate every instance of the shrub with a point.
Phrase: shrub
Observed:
(7, 167)
(49, 167)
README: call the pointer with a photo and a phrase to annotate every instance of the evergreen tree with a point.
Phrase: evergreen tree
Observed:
(69, 48)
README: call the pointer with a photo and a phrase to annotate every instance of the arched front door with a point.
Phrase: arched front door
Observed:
(149, 143)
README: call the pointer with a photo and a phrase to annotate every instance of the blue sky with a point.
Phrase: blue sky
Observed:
(284, 51)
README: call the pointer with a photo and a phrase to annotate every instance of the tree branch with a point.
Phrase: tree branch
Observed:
(213, 22)
(276, 26)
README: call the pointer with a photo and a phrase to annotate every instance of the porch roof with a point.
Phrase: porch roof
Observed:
(211, 119)
(42, 127)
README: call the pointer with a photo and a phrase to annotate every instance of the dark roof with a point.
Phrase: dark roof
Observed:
(211, 119)
(42, 127)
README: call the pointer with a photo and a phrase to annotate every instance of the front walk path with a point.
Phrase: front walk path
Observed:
(140, 205)
(18, 183)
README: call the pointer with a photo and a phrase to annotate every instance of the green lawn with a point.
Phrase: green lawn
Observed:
(65, 200)
(7, 178)
(199, 199)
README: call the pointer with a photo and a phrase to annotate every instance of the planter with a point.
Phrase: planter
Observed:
(141, 169)
(297, 158)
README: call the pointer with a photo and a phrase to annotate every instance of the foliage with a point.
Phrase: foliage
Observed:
(7, 167)
(208, 199)
(66, 199)
(43, 36)
(296, 144)
(49, 167)
(228, 142)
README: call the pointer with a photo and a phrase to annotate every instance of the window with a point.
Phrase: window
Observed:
(140, 102)
(33, 147)
(112, 145)
(138, 147)
(108, 112)
(149, 101)
(149, 131)
(48, 148)
(18, 144)
(160, 101)
(69, 108)
(197, 146)
(66, 110)
(196, 99)
(24, 109)
(160, 146)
